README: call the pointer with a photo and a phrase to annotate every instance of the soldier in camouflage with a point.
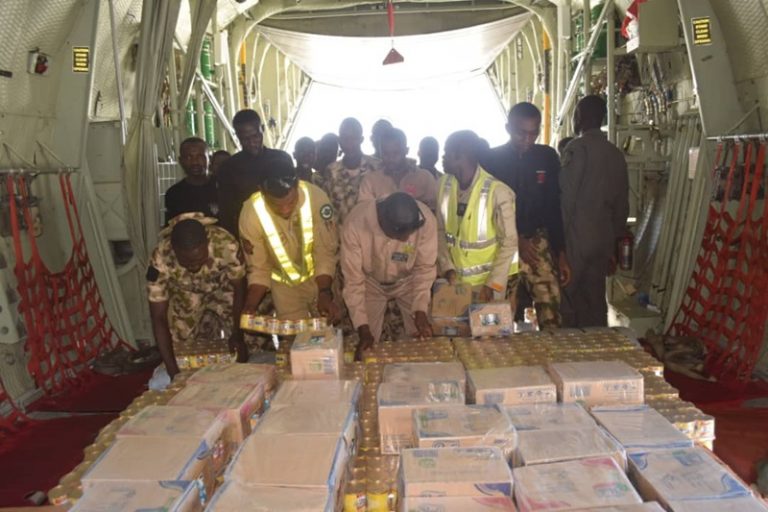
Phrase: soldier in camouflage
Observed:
(196, 286)
(341, 181)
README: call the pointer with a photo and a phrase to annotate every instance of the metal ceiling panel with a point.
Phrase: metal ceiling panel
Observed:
(744, 23)
(26, 26)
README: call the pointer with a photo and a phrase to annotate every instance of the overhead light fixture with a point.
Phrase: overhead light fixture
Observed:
(393, 56)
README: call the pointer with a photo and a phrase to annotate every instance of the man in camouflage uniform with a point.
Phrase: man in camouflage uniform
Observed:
(342, 180)
(196, 286)
(532, 171)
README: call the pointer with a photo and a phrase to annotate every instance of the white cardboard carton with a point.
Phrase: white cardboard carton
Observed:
(683, 474)
(548, 417)
(464, 504)
(436, 472)
(132, 496)
(337, 419)
(289, 461)
(546, 446)
(298, 392)
(425, 372)
(468, 425)
(317, 354)
(598, 383)
(207, 427)
(640, 428)
(513, 385)
(264, 375)
(398, 400)
(238, 403)
(153, 459)
(573, 485)
(237, 497)
(650, 506)
(747, 504)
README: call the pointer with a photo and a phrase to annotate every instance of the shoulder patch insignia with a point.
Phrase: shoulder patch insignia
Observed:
(326, 211)
(152, 274)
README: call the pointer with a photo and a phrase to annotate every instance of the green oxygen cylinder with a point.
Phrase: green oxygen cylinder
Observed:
(189, 118)
(206, 69)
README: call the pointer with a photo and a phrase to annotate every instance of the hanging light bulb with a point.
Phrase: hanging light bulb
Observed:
(393, 56)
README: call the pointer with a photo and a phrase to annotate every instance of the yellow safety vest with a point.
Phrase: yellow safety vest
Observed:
(289, 274)
(471, 240)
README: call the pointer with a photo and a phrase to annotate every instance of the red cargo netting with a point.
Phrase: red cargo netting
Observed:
(13, 420)
(63, 313)
(726, 304)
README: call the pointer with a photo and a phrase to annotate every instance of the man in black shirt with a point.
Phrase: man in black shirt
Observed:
(304, 152)
(429, 154)
(196, 192)
(532, 171)
(241, 175)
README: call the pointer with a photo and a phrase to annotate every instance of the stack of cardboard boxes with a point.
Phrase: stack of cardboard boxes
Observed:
(169, 456)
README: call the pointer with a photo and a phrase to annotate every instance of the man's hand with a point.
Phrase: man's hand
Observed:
(237, 344)
(485, 295)
(365, 341)
(326, 305)
(253, 298)
(450, 276)
(612, 266)
(527, 251)
(423, 327)
(565, 269)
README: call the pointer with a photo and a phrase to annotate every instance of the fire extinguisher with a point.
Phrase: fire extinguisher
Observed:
(625, 250)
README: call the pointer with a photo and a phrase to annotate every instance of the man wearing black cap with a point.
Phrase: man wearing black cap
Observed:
(288, 234)
(389, 251)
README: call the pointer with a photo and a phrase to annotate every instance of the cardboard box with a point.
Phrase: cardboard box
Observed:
(450, 309)
(153, 459)
(468, 425)
(683, 474)
(640, 428)
(650, 506)
(747, 504)
(425, 372)
(289, 461)
(573, 485)
(398, 400)
(299, 392)
(598, 383)
(132, 496)
(339, 419)
(317, 354)
(264, 375)
(237, 497)
(547, 446)
(548, 417)
(469, 472)
(207, 427)
(456, 327)
(238, 403)
(477, 504)
(512, 386)
(492, 319)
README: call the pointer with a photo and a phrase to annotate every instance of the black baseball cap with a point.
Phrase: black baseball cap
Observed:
(399, 213)
(279, 175)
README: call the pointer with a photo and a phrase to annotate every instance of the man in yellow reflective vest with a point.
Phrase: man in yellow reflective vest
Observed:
(477, 235)
(289, 237)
